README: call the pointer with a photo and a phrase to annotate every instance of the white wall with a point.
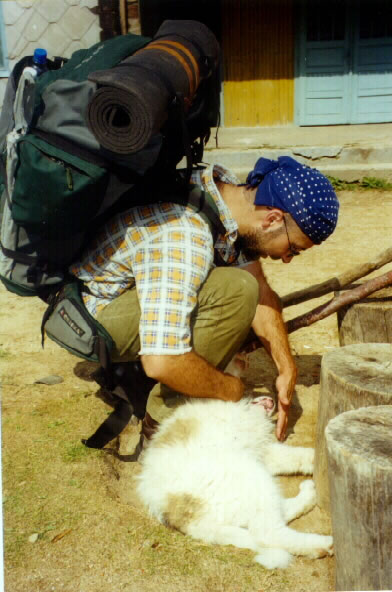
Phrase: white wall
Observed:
(59, 26)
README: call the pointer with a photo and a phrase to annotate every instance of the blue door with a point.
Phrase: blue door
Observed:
(344, 62)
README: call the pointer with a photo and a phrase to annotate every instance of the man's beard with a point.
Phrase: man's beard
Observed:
(251, 243)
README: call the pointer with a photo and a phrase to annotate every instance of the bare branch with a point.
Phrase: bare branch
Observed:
(337, 283)
(348, 297)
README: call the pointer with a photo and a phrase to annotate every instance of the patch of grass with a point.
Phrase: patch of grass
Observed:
(45, 470)
(365, 184)
(162, 550)
(15, 542)
(76, 451)
(7, 379)
(75, 483)
(4, 353)
(376, 183)
(56, 423)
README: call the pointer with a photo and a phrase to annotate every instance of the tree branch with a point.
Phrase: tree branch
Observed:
(348, 297)
(337, 283)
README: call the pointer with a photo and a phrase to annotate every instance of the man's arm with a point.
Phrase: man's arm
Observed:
(269, 326)
(192, 375)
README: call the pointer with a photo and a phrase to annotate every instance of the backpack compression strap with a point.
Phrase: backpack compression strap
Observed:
(132, 388)
(111, 427)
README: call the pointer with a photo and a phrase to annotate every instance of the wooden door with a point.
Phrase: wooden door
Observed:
(325, 80)
(258, 62)
(372, 81)
(345, 62)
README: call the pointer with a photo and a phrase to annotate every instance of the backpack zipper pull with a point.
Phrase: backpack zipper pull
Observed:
(68, 172)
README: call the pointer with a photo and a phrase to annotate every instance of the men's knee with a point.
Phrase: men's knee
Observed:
(248, 288)
(237, 289)
(249, 285)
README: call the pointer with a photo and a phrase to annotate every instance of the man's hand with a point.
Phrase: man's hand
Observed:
(269, 327)
(285, 384)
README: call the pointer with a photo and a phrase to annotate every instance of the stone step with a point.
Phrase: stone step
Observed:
(349, 152)
(344, 162)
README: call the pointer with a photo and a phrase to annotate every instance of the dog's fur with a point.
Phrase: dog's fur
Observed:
(208, 472)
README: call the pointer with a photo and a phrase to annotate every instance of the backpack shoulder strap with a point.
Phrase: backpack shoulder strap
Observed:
(205, 205)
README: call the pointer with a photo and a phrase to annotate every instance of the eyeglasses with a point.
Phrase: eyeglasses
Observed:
(293, 252)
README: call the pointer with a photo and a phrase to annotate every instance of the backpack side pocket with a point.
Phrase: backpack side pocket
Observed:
(56, 194)
(68, 323)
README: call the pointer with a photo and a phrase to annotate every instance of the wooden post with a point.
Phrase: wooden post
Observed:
(352, 376)
(367, 321)
(359, 445)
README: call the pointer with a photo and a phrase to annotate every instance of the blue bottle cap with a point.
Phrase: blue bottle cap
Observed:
(40, 56)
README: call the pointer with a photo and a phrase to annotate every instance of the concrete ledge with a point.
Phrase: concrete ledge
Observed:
(348, 152)
(289, 136)
(344, 173)
(348, 164)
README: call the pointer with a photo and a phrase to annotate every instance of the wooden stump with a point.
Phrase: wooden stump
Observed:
(352, 376)
(359, 445)
(367, 321)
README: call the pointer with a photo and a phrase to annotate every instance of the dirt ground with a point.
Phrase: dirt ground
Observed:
(72, 520)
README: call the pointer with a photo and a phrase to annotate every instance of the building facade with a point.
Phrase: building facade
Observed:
(284, 62)
(296, 62)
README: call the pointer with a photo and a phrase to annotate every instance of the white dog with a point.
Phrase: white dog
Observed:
(208, 472)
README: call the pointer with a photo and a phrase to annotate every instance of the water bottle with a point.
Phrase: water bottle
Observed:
(24, 100)
(23, 110)
(40, 61)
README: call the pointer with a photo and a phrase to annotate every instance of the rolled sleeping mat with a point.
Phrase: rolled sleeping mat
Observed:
(132, 99)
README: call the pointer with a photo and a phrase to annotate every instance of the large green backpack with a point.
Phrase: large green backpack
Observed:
(63, 179)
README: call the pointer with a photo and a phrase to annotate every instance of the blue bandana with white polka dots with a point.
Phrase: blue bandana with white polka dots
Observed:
(303, 192)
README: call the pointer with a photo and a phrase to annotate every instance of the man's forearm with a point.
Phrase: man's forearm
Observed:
(269, 327)
(192, 375)
(271, 330)
(268, 323)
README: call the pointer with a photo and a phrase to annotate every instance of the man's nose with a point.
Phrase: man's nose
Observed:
(287, 258)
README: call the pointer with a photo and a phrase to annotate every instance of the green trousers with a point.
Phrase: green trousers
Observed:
(220, 325)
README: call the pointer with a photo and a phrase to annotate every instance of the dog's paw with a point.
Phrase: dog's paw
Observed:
(307, 461)
(308, 487)
(326, 549)
(274, 558)
(308, 495)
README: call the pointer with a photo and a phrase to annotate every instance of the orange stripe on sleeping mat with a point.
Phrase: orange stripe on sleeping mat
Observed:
(179, 58)
(189, 55)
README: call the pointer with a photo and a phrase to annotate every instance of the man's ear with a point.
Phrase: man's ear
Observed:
(273, 216)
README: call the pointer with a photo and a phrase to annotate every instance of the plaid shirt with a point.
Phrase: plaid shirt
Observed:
(166, 250)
